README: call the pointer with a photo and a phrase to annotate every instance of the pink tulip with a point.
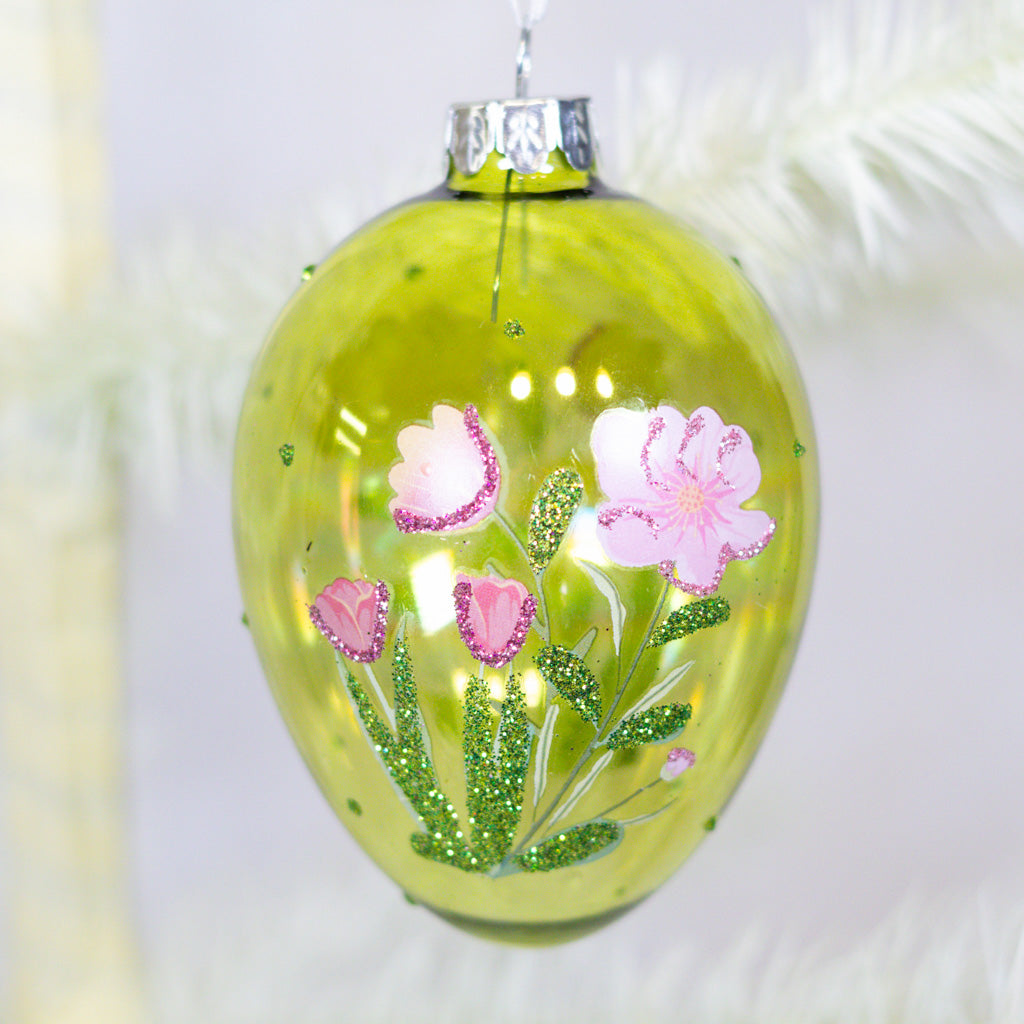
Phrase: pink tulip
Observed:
(448, 478)
(353, 615)
(678, 760)
(675, 486)
(493, 616)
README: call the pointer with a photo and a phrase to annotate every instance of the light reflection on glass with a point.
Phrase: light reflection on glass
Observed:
(581, 540)
(565, 382)
(432, 583)
(603, 384)
(346, 442)
(347, 416)
(533, 688)
(521, 385)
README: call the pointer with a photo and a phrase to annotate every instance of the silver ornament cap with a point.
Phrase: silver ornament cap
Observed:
(524, 132)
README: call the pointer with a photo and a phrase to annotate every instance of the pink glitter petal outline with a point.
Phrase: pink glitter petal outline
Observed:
(409, 522)
(654, 431)
(694, 425)
(731, 440)
(726, 555)
(462, 593)
(610, 516)
(380, 629)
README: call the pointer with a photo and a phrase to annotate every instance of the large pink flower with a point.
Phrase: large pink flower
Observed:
(448, 477)
(353, 615)
(675, 486)
(493, 616)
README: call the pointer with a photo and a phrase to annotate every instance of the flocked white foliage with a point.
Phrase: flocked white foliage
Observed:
(345, 955)
(528, 12)
(907, 118)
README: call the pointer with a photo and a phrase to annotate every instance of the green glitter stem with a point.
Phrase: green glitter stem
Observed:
(545, 625)
(501, 246)
(596, 741)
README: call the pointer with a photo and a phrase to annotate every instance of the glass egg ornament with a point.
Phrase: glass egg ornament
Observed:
(525, 502)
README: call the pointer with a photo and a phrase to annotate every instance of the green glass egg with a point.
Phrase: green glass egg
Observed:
(525, 506)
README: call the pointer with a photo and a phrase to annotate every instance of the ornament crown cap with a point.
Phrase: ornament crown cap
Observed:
(524, 132)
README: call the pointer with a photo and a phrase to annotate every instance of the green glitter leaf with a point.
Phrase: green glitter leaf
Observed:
(574, 846)
(287, 453)
(611, 593)
(652, 726)
(711, 611)
(572, 679)
(556, 503)
(495, 773)
(405, 756)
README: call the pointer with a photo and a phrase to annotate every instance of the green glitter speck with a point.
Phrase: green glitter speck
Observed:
(413, 271)
(287, 453)
(709, 825)
(514, 329)
(353, 806)
(711, 611)
(553, 508)
(570, 847)
(799, 449)
(651, 726)
(245, 620)
(572, 679)
(307, 272)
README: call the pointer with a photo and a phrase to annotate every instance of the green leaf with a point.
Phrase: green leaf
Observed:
(652, 726)
(406, 757)
(556, 503)
(583, 786)
(662, 689)
(544, 741)
(572, 679)
(495, 773)
(709, 611)
(603, 582)
(573, 846)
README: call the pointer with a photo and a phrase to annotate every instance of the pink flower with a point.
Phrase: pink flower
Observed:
(448, 477)
(353, 615)
(675, 487)
(493, 616)
(678, 760)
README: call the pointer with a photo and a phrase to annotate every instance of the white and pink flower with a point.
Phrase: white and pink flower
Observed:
(679, 759)
(353, 615)
(449, 476)
(675, 485)
(493, 616)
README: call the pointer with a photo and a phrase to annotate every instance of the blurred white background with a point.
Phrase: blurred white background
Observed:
(892, 771)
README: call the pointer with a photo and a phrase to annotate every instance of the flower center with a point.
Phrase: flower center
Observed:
(690, 498)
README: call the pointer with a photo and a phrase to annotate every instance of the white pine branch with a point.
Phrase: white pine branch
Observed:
(905, 118)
